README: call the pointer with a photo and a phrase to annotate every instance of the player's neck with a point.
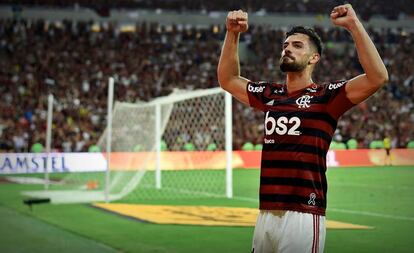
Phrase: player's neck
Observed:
(298, 80)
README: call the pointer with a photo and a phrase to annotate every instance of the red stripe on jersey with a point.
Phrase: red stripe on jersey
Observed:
(315, 107)
(289, 189)
(318, 124)
(301, 139)
(314, 234)
(291, 173)
(318, 222)
(297, 156)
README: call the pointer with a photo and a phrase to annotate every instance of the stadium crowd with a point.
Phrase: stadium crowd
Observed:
(367, 8)
(74, 60)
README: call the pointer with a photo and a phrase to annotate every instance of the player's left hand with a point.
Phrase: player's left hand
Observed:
(344, 16)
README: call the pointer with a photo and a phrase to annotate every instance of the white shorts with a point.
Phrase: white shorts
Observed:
(288, 232)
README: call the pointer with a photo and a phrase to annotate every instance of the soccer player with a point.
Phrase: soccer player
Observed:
(300, 117)
(387, 147)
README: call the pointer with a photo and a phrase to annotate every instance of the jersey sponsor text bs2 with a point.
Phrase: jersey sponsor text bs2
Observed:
(280, 126)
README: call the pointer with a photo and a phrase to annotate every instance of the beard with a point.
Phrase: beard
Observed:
(288, 64)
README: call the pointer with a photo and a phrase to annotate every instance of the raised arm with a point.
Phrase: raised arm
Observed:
(228, 71)
(361, 87)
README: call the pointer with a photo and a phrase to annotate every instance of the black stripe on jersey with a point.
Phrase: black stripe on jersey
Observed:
(293, 165)
(324, 185)
(301, 148)
(291, 181)
(291, 199)
(316, 132)
(321, 99)
(308, 115)
(318, 116)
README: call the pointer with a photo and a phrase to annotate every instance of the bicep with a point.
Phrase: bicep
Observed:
(359, 88)
(237, 86)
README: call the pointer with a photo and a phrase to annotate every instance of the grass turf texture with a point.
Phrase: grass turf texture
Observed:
(380, 197)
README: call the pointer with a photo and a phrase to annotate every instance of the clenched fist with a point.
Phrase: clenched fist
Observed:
(344, 15)
(237, 21)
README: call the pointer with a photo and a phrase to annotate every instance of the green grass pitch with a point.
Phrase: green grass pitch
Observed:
(381, 197)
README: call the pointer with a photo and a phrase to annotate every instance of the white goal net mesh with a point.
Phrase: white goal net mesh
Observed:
(192, 160)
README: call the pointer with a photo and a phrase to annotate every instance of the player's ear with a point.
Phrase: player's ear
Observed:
(315, 57)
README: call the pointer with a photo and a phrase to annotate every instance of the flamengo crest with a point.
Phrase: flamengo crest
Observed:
(303, 101)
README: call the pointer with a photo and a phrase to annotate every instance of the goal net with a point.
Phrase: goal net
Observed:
(170, 148)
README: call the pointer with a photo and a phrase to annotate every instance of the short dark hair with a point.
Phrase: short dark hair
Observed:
(313, 36)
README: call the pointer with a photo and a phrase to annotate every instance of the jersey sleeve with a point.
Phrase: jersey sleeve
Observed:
(258, 93)
(338, 101)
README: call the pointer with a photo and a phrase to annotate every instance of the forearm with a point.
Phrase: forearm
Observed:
(368, 55)
(229, 65)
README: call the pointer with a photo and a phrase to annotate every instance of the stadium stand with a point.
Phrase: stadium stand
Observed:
(74, 60)
(367, 8)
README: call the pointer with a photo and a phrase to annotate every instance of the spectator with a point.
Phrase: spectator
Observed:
(73, 62)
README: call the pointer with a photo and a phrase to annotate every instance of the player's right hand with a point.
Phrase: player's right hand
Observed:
(237, 21)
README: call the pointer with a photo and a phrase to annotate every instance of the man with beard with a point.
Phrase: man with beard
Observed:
(300, 120)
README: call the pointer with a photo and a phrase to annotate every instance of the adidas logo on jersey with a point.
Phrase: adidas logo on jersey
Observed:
(255, 89)
(312, 90)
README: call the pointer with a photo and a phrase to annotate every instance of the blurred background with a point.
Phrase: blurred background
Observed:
(151, 49)
(70, 48)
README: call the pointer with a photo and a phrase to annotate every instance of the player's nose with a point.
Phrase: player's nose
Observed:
(287, 50)
(287, 53)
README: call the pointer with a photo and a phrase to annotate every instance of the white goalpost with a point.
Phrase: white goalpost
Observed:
(227, 130)
(177, 146)
(109, 136)
(172, 121)
(48, 138)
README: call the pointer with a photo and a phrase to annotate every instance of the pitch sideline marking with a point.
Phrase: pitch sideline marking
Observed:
(391, 187)
(199, 215)
(395, 217)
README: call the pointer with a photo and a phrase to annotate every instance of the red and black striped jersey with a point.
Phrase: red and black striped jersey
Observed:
(298, 129)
